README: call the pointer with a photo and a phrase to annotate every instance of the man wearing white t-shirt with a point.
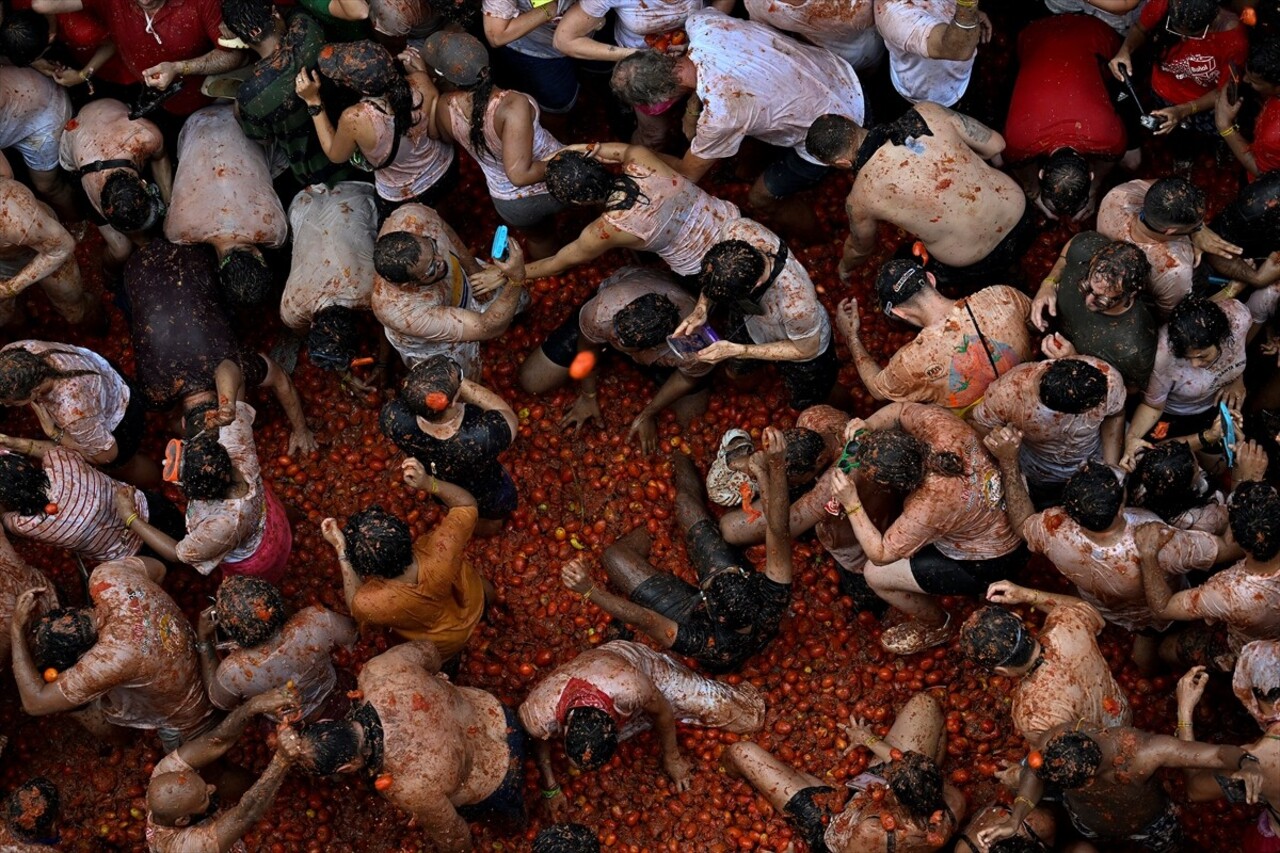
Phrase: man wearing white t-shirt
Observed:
(746, 79)
(932, 44)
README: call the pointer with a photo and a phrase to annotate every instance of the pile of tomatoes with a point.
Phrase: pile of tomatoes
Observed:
(579, 492)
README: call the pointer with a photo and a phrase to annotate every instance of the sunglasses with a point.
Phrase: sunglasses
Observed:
(848, 460)
(1168, 28)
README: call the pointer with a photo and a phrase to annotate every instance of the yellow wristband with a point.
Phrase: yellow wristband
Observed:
(586, 596)
(128, 522)
(1230, 130)
(1021, 799)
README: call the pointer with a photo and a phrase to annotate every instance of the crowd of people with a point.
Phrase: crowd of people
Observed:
(242, 159)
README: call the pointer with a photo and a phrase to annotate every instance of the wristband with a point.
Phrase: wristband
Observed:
(961, 26)
(314, 110)
(1022, 799)
(128, 522)
(853, 510)
(871, 739)
(1248, 756)
(183, 69)
(1182, 725)
(586, 596)
(551, 793)
(1230, 130)
(967, 4)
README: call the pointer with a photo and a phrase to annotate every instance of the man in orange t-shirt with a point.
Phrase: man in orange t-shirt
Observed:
(423, 590)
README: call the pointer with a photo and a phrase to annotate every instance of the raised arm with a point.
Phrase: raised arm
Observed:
(771, 473)
(1005, 443)
(231, 825)
(958, 39)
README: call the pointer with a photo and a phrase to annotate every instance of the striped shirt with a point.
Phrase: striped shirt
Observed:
(85, 520)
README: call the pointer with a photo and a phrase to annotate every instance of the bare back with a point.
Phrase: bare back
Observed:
(939, 188)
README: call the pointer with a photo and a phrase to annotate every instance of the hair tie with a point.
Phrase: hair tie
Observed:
(437, 401)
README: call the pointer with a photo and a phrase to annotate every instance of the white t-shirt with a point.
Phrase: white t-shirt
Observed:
(333, 237)
(222, 187)
(638, 18)
(905, 26)
(1119, 23)
(847, 29)
(1181, 388)
(754, 81)
(537, 43)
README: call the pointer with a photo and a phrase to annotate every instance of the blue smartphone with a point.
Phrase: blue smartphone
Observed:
(1228, 432)
(499, 250)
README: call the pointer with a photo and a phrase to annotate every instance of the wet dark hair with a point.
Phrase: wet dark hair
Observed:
(995, 636)
(24, 36)
(378, 544)
(830, 136)
(1072, 386)
(31, 810)
(1125, 261)
(1255, 519)
(206, 468)
(1192, 15)
(193, 418)
(646, 77)
(731, 600)
(730, 270)
(1264, 59)
(804, 449)
(332, 338)
(22, 371)
(898, 459)
(24, 486)
(61, 637)
(250, 610)
(249, 20)
(916, 782)
(481, 93)
(590, 737)
(1093, 496)
(1197, 323)
(437, 374)
(646, 321)
(333, 744)
(1173, 202)
(1164, 480)
(1070, 760)
(566, 838)
(1019, 844)
(127, 205)
(245, 278)
(1064, 186)
(575, 178)
(395, 254)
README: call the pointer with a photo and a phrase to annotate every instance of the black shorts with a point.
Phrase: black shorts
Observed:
(938, 574)
(810, 382)
(1180, 425)
(995, 268)
(810, 817)
(431, 196)
(1162, 835)
(128, 433)
(791, 173)
(562, 344)
(708, 552)
(667, 596)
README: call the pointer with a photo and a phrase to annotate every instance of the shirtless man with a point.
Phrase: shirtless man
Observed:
(953, 359)
(222, 196)
(132, 655)
(1068, 411)
(102, 142)
(925, 810)
(1110, 790)
(1246, 596)
(444, 754)
(925, 173)
(331, 273)
(35, 248)
(1091, 541)
(269, 651)
(607, 694)
(423, 294)
(744, 79)
(182, 811)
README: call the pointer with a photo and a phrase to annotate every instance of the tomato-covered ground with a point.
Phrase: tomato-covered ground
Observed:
(577, 494)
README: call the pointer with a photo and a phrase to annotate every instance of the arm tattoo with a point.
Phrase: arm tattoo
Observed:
(976, 130)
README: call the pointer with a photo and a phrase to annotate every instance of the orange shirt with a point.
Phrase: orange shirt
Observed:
(446, 602)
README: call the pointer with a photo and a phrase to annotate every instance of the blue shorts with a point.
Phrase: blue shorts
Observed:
(790, 174)
(551, 81)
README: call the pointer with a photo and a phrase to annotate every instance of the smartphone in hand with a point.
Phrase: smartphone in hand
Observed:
(499, 249)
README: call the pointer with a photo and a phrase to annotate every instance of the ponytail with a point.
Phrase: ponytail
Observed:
(481, 93)
(22, 371)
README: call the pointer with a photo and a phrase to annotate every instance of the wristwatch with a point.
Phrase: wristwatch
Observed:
(314, 110)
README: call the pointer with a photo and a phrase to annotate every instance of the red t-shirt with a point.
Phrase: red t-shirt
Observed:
(180, 29)
(1266, 136)
(83, 35)
(1060, 98)
(1192, 67)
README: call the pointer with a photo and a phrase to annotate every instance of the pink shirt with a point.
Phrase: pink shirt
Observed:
(86, 521)
(1181, 388)
(1172, 261)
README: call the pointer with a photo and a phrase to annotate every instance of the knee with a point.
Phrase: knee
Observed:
(538, 374)
(923, 704)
